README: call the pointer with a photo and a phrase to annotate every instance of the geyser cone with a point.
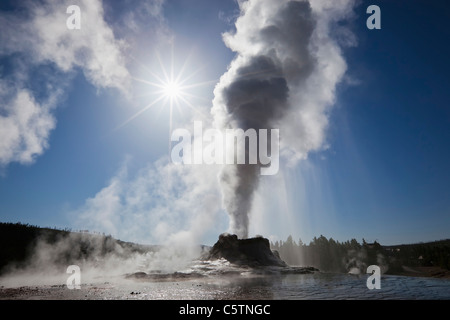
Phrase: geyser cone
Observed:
(252, 252)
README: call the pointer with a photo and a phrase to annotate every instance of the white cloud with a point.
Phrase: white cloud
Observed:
(93, 48)
(37, 36)
(137, 18)
(25, 128)
(42, 36)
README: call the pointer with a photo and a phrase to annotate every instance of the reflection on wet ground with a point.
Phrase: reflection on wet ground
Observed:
(244, 285)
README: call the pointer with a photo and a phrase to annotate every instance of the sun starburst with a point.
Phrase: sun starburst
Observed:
(169, 89)
(172, 90)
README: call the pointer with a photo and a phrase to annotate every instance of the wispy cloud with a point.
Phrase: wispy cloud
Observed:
(42, 36)
(35, 37)
(25, 129)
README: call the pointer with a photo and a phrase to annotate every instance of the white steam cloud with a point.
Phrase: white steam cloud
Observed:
(163, 203)
(284, 76)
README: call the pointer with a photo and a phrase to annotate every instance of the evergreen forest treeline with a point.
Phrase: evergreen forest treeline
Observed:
(330, 255)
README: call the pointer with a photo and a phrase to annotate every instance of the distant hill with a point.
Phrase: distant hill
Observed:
(18, 243)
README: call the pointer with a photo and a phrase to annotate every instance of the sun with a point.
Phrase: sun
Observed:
(169, 89)
(172, 90)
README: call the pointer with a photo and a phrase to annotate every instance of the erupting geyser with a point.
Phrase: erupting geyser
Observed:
(283, 77)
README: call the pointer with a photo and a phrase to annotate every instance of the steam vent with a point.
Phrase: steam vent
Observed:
(253, 252)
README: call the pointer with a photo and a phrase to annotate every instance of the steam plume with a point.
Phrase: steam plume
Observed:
(284, 77)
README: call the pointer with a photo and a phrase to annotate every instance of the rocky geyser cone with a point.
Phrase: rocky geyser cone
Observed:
(253, 252)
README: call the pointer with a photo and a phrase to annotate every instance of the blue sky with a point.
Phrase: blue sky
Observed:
(384, 174)
(395, 126)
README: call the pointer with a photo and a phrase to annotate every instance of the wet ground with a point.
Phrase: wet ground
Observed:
(245, 286)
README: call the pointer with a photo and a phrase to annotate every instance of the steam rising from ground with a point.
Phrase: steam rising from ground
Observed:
(160, 204)
(100, 258)
(284, 76)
